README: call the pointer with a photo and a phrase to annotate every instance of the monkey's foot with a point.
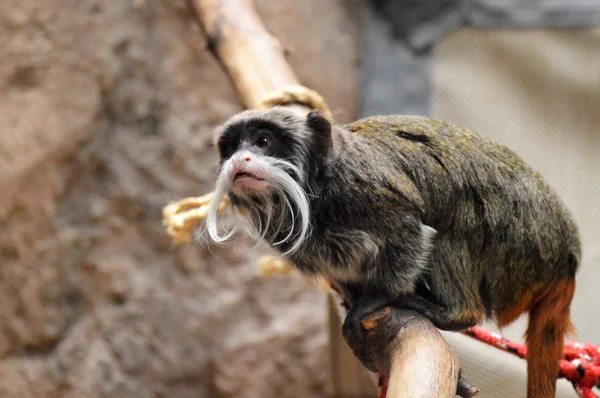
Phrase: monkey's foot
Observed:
(353, 330)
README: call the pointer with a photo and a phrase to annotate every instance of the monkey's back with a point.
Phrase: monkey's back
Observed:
(489, 207)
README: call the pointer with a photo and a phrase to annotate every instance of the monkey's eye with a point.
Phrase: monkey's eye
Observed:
(262, 141)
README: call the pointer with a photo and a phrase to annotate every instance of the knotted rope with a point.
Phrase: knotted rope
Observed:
(298, 95)
(580, 363)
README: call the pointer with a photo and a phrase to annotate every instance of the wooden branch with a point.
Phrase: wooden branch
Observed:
(413, 355)
(254, 60)
(404, 345)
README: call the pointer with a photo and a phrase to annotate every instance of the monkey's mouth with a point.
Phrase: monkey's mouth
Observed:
(244, 181)
(244, 174)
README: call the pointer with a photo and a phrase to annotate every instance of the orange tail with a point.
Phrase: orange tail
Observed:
(549, 322)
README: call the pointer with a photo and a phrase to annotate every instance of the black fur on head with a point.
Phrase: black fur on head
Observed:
(302, 140)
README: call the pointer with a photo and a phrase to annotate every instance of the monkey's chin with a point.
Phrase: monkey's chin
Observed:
(249, 184)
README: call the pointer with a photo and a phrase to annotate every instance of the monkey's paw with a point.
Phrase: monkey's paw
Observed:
(353, 331)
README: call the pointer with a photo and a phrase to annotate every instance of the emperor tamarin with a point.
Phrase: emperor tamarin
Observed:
(411, 212)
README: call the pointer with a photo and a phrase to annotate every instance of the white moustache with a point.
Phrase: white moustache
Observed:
(276, 173)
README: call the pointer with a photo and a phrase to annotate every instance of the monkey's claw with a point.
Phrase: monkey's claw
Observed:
(353, 330)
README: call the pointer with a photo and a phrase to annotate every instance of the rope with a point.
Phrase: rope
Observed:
(382, 385)
(181, 218)
(300, 95)
(580, 363)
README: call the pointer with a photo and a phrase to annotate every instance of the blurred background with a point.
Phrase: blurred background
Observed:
(106, 114)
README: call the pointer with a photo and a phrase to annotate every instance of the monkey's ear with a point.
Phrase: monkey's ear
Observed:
(321, 127)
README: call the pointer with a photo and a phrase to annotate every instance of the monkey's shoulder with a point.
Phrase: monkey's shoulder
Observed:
(412, 127)
(414, 123)
(423, 135)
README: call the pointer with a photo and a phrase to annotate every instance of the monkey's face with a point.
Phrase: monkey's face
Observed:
(266, 157)
(253, 155)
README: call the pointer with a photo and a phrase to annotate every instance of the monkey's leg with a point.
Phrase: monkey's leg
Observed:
(352, 329)
(445, 318)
